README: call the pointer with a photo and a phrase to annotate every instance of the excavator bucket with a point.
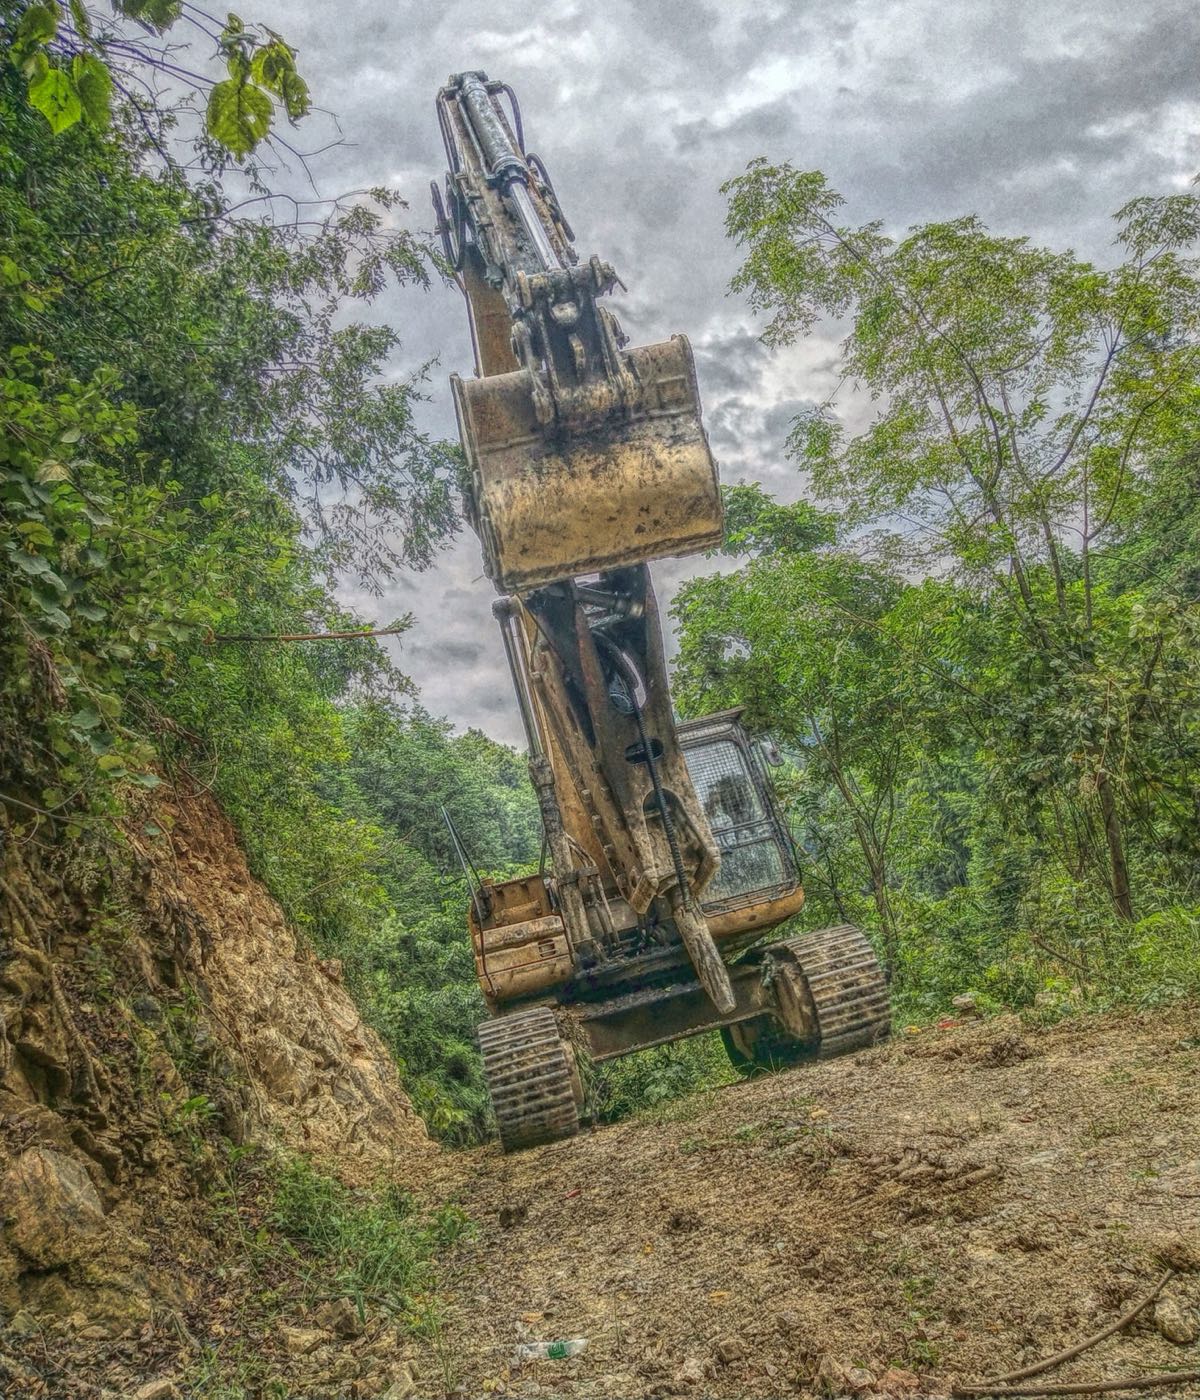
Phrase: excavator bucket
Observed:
(618, 488)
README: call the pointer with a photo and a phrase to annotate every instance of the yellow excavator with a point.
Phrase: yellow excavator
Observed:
(669, 860)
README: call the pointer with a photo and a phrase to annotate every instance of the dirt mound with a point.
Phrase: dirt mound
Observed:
(953, 1205)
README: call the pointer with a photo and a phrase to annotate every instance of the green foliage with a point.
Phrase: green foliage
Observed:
(414, 970)
(69, 59)
(990, 701)
(183, 402)
(652, 1078)
(372, 1245)
(754, 522)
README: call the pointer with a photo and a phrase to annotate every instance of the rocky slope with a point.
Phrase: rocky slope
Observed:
(152, 992)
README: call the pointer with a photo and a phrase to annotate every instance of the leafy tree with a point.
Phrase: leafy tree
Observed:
(1025, 396)
(185, 404)
(796, 637)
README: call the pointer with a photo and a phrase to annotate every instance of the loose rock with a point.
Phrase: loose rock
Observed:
(403, 1386)
(1177, 1323)
(23, 1323)
(690, 1373)
(55, 1215)
(729, 1350)
(1178, 1251)
(339, 1316)
(894, 1382)
(162, 1389)
(301, 1340)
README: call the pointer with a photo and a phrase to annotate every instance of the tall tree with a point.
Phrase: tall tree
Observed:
(1024, 396)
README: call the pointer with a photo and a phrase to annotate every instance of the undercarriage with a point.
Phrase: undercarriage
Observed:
(813, 996)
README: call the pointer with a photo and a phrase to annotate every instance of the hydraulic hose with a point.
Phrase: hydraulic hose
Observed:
(630, 679)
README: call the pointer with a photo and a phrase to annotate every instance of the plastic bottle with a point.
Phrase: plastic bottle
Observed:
(550, 1351)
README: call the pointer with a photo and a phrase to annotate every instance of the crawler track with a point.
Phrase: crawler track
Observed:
(847, 987)
(529, 1078)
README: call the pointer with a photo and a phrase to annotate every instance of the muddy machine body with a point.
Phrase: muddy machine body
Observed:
(668, 858)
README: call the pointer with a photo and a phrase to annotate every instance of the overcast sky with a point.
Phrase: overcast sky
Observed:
(1042, 118)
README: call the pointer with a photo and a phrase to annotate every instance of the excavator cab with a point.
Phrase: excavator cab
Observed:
(758, 859)
(668, 859)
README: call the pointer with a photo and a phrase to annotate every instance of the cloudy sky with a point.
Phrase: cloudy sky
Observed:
(1041, 117)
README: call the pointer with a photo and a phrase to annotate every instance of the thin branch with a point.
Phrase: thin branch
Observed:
(1083, 1387)
(1069, 1353)
(394, 631)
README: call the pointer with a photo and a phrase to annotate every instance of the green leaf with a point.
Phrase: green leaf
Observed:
(55, 616)
(32, 564)
(52, 470)
(146, 780)
(48, 579)
(239, 116)
(39, 24)
(56, 97)
(94, 83)
(159, 14)
(274, 68)
(35, 66)
(87, 718)
(92, 611)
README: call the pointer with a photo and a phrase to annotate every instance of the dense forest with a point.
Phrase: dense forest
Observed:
(975, 639)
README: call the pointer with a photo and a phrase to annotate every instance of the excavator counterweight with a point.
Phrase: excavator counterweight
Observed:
(669, 859)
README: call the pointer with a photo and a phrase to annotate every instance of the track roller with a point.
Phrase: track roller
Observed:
(531, 1078)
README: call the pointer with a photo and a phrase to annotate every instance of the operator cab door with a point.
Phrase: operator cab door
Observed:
(758, 861)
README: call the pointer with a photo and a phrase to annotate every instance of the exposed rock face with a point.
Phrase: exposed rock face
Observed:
(55, 1216)
(316, 1075)
(130, 1013)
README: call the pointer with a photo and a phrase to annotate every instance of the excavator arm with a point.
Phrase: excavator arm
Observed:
(583, 455)
(586, 460)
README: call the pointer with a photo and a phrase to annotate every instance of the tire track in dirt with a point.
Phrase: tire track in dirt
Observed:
(951, 1205)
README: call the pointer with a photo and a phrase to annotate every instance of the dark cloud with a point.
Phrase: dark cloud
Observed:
(1042, 119)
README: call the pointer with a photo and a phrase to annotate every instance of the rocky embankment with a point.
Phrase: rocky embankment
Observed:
(151, 990)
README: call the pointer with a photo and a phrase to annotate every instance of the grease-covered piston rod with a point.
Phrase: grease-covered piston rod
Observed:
(506, 166)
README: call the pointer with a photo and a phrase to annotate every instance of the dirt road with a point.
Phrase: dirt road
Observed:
(950, 1206)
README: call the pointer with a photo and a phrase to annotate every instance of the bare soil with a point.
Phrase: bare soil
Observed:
(950, 1206)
